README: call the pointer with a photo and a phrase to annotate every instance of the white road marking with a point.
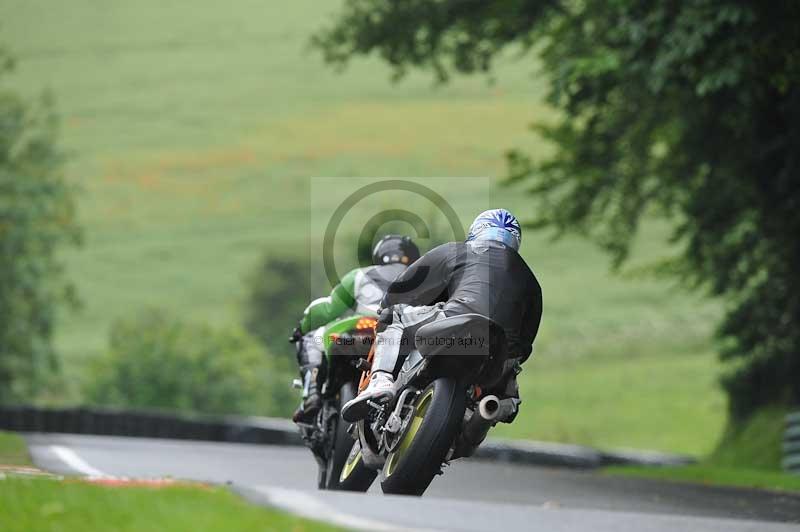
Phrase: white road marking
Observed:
(306, 505)
(75, 462)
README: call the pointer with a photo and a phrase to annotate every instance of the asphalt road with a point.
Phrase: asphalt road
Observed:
(470, 496)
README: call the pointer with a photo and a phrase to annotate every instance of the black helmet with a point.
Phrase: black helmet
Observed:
(395, 248)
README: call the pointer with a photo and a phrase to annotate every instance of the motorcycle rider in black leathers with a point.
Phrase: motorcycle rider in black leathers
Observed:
(484, 275)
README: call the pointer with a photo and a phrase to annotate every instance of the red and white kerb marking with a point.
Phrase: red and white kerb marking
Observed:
(96, 476)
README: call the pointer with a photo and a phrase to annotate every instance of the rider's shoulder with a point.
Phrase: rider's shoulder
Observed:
(446, 248)
(381, 269)
(348, 278)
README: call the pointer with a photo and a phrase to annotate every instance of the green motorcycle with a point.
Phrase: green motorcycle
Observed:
(347, 343)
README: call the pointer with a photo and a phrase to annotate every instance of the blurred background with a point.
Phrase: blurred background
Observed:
(156, 162)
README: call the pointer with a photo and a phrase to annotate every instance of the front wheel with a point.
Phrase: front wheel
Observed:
(417, 458)
(346, 471)
(355, 476)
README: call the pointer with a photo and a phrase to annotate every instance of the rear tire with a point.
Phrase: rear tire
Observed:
(419, 456)
(357, 477)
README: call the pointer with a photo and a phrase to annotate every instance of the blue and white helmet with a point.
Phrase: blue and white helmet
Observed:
(499, 225)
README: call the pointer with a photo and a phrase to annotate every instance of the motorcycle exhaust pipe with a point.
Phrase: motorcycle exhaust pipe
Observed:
(490, 410)
(489, 407)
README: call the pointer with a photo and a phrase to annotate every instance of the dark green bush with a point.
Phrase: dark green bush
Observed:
(278, 291)
(158, 361)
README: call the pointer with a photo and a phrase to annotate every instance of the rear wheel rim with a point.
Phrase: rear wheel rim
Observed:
(421, 404)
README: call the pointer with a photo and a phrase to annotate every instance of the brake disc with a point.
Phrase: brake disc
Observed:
(391, 442)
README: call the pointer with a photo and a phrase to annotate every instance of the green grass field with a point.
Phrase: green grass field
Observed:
(13, 451)
(749, 455)
(72, 505)
(715, 475)
(193, 132)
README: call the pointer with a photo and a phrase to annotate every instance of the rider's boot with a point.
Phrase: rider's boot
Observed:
(379, 390)
(312, 401)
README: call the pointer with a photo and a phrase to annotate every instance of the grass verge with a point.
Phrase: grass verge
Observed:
(73, 505)
(714, 475)
(748, 455)
(13, 451)
(754, 443)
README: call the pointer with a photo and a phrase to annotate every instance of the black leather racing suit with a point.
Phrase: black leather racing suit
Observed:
(483, 277)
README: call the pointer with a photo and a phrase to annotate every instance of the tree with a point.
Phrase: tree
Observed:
(37, 217)
(688, 109)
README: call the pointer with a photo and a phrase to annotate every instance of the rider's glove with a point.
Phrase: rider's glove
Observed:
(385, 318)
(296, 336)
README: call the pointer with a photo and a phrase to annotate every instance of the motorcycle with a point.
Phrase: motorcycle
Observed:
(346, 344)
(444, 405)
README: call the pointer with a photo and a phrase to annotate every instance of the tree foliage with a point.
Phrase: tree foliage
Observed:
(37, 217)
(690, 109)
(156, 360)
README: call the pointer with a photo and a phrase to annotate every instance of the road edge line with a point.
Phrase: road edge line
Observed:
(75, 462)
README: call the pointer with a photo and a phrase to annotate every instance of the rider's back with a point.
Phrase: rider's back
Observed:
(481, 277)
(370, 284)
